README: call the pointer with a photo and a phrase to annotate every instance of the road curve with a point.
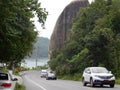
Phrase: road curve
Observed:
(33, 81)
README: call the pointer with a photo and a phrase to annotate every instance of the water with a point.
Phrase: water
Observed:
(32, 62)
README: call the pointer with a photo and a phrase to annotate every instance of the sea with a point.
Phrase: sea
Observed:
(30, 63)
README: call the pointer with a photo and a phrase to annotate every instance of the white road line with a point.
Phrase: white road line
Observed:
(89, 88)
(36, 83)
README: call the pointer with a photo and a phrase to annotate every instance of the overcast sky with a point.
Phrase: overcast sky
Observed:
(54, 8)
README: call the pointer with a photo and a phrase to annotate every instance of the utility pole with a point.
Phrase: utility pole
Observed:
(37, 48)
(36, 56)
(36, 62)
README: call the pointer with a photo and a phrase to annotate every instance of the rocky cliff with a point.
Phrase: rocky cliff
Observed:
(64, 24)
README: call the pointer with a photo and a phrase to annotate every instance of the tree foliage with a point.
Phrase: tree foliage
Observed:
(17, 32)
(94, 38)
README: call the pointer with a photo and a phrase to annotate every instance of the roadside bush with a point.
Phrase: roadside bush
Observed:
(75, 77)
(19, 87)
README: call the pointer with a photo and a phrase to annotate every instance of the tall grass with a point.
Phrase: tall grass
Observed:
(19, 87)
(75, 77)
(117, 81)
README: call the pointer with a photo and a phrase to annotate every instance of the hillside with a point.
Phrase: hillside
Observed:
(64, 24)
(40, 48)
(94, 40)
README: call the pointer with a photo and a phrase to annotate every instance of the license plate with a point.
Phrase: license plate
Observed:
(106, 81)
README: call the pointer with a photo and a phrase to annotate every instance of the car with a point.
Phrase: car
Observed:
(6, 81)
(98, 76)
(51, 76)
(43, 73)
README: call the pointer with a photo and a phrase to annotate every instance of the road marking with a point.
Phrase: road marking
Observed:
(89, 88)
(36, 83)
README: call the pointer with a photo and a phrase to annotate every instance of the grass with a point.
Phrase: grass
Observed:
(75, 77)
(16, 73)
(19, 87)
(117, 81)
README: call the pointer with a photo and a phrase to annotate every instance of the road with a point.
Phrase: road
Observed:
(33, 81)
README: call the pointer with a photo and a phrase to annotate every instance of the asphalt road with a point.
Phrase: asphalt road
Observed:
(33, 81)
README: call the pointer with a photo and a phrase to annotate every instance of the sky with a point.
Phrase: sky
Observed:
(54, 8)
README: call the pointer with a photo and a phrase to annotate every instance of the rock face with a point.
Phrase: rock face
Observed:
(64, 24)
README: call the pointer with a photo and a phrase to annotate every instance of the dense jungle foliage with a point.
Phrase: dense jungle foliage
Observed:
(94, 40)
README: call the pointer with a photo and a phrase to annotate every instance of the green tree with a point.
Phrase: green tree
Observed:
(17, 31)
(94, 39)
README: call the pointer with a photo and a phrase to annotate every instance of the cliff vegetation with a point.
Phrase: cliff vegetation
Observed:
(94, 40)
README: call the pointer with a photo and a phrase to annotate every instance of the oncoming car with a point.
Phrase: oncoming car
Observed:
(43, 73)
(51, 76)
(98, 76)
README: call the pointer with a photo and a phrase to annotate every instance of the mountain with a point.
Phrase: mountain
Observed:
(40, 48)
(64, 24)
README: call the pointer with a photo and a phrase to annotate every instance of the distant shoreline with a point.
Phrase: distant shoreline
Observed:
(29, 63)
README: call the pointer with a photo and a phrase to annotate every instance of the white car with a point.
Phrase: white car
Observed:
(43, 73)
(6, 81)
(51, 76)
(98, 76)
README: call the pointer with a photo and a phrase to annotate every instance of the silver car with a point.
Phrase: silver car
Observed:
(98, 76)
(51, 76)
(43, 73)
(6, 81)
